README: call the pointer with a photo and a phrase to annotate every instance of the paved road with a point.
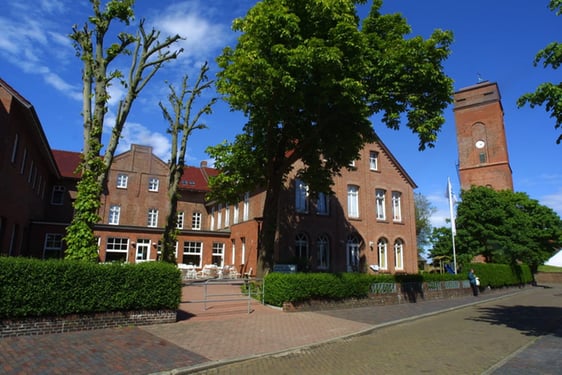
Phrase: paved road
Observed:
(500, 332)
(519, 334)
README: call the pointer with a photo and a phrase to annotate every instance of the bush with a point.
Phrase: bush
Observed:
(298, 287)
(32, 287)
(501, 275)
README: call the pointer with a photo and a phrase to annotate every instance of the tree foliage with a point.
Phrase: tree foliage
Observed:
(506, 227)
(182, 123)
(308, 78)
(147, 57)
(424, 210)
(548, 94)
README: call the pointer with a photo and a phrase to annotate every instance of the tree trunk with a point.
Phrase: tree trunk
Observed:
(169, 237)
(269, 229)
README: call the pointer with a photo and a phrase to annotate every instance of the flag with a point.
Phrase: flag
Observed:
(451, 204)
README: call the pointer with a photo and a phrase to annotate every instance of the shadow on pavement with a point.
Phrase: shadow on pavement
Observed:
(531, 320)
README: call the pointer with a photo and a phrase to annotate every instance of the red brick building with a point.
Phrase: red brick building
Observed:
(482, 145)
(27, 172)
(368, 221)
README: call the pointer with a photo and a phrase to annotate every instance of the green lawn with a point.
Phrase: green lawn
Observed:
(550, 269)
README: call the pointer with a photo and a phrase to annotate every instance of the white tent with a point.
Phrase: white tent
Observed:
(556, 260)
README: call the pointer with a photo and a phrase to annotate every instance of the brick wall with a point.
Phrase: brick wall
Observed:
(404, 295)
(548, 278)
(83, 322)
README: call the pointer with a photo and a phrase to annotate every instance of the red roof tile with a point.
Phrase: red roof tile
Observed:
(193, 178)
(67, 162)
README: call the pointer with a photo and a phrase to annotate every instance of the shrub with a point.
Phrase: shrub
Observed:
(32, 287)
(298, 287)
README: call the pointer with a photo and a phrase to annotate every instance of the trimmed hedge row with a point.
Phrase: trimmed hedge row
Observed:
(500, 275)
(298, 287)
(33, 287)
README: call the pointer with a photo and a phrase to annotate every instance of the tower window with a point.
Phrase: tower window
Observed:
(482, 157)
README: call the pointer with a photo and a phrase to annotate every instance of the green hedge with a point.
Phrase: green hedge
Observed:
(298, 287)
(500, 275)
(32, 287)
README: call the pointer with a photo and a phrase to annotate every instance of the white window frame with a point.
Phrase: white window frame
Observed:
(382, 249)
(193, 250)
(243, 246)
(323, 252)
(226, 216)
(301, 196)
(153, 184)
(180, 220)
(218, 254)
(353, 201)
(152, 218)
(236, 214)
(380, 204)
(142, 251)
(353, 250)
(399, 254)
(57, 195)
(31, 168)
(53, 243)
(246, 212)
(15, 149)
(219, 217)
(196, 220)
(233, 259)
(322, 204)
(122, 181)
(301, 246)
(373, 160)
(117, 245)
(114, 214)
(23, 161)
(396, 206)
(212, 219)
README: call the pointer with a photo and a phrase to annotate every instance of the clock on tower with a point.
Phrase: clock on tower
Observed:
(481, 140)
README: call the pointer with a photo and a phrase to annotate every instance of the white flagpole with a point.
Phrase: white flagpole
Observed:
(453, 228)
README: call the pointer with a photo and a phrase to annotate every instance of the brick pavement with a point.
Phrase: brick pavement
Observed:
(222, 333)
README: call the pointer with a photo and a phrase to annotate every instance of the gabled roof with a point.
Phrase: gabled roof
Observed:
(195, 178)
(398, 166)
(36, 128)
(68, 162)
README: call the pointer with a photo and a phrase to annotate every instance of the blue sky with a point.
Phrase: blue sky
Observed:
(494, 40)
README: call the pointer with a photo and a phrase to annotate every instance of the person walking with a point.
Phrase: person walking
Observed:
(474, 282)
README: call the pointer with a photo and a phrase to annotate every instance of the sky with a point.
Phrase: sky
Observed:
(493, 40)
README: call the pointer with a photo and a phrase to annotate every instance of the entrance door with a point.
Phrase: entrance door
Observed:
(352, 251)
(143, 250)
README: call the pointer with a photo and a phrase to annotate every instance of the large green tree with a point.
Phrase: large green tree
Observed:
(506, 227)
(548, 94)
(147, 56)
(183, 121)
(308, 77)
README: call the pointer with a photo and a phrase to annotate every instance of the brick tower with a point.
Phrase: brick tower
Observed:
(482, 146)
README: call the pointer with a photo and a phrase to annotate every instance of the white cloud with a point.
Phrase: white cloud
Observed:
(30, 41)
(203, 37)
(553, 201)
(135, 133)
(58, 83)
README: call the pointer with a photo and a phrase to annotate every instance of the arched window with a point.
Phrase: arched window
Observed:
(353, 245)
(323, 252)
(399, 254)
(382, 245)
(301, 246)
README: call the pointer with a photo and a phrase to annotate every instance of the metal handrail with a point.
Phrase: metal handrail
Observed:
(208, 297)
